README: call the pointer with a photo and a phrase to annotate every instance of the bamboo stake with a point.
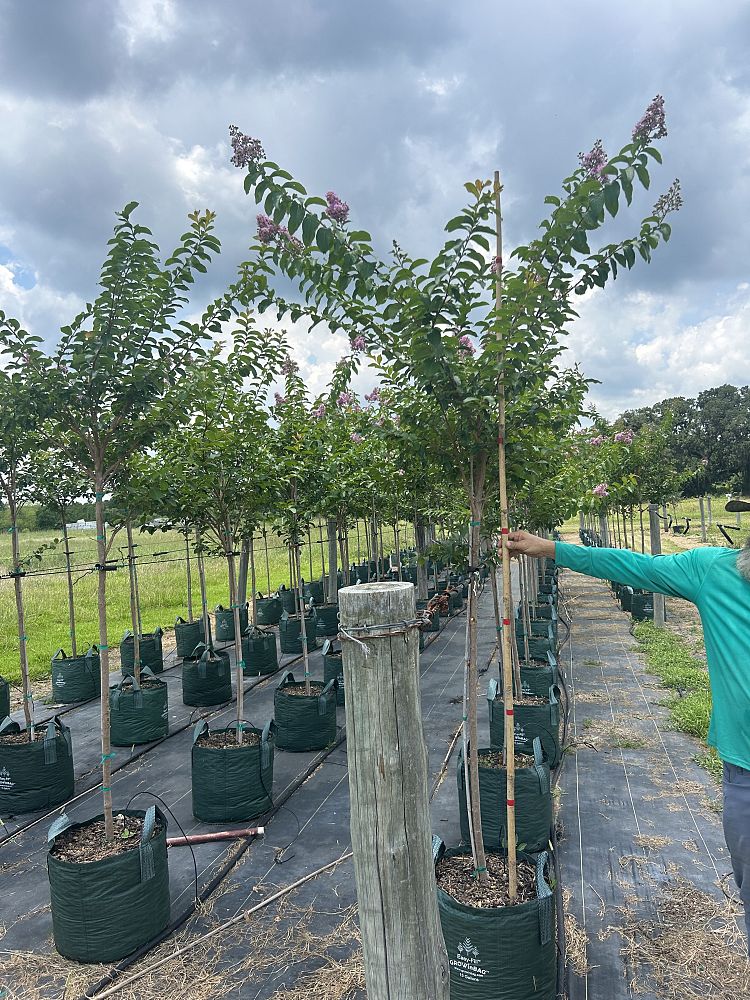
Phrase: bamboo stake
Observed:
(101, 600)
(525, 619)
(302, 620)
(322, 551)
(69, 573)
(310, 553)
(229, 552)
(253, 579)
(22, 640)
(204, 595)
(134, 603)
(268, 565)
(507, 595)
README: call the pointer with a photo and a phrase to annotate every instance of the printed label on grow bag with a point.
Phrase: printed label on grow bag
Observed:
(5, 783)
(466, 963)
(519, 733)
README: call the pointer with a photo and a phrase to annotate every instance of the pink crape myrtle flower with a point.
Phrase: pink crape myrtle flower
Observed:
(319, 412)
(466, 346)
(625, 437)
(599, 439)
(356, 438)
(336, 209)
(280, 400)
(602, 490)
(359, 343)
(345, 398)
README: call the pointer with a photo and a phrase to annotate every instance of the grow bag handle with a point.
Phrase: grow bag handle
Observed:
(266, 744)
(199, 729)
(553, 693)
(179, 620)
(551, 659)
(544, 897)
(9, 725)
(323, 696)
(60, 653)
(492, 695)
(286, 678)
(128, 635)
(146, 849)
(197, 655)
(50, 741)
(539, 766)
(438, 849)
(59, 826)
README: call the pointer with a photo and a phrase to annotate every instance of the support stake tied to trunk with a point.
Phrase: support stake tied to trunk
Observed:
(507, 658)
(402, 943)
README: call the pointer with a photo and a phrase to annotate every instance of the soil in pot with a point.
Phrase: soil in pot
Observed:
(455, 876)
(87, 842)
(226, 739)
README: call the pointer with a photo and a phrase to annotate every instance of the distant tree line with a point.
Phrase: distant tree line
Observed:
(709, 437)
(36, 517)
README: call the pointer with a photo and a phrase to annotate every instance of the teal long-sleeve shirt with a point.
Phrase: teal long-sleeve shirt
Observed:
(710, 579)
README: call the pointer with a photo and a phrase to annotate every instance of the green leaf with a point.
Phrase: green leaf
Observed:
(309, 228)
(323, 239)
(612, 197)
(643, 176)
(296, 215)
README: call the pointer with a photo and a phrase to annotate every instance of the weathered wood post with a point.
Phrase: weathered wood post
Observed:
(702, 507)
(404, 951)
(710, 515)
(655, 527)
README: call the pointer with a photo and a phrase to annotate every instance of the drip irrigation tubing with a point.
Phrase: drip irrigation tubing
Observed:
(96, 989)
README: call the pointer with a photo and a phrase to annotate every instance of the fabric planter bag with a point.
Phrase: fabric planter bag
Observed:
(232, 783)
(287, 598)
(626, 599)
(538, 679)
(138, 714)
(206, 678)
(315, 590)
(539, 647)
(224, 622)
(328, 620)
(188, 635)
(422, 640)
(268, 610)
(150, 651)
(304, 722)
(504, 952)
(75, 678)
(36, 775)
(642, 606)
(456, 600)
(533, 798)
(290, 633)
(530, 721)
(333, 669)
(259, 652)
(104, 910)
(4, 698)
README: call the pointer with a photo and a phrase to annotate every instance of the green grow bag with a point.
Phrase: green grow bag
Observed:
(422, 640)
(232, 783)
(626, 598)
(4, 698)
(138, 714)
(290, 633)
(36, 775)
(287, 598)
(540, 648)
(333, 669)
(268, 610)
(304, 722)
(259, 652)
(456, 600)
(150, 650)
(104, 910)
(206, 678)
(75, 678)
(539, 678)
(530, 721)
(224, 619)
(540, 627)
(316, 590)
(642, 606)
(533, 798)
(504, 952)
(189, 634)
(328, 620)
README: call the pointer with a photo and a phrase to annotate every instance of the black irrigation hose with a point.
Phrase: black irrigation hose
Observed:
(225, 869)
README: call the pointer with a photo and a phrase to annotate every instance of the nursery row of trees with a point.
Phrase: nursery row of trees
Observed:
(474, 414)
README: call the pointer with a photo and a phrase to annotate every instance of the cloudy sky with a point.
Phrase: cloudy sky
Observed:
(392, 104)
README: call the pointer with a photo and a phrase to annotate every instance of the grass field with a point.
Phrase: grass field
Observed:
(162, 585)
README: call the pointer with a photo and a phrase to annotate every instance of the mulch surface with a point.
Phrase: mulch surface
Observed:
(227, 740)
(299, 692)
(455, 876)
(87, 843)
(494, 759)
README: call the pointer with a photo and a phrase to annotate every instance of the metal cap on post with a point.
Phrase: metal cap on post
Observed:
(402, 943)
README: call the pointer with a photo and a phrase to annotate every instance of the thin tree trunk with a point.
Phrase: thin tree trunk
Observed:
(525, 622)
(420, 545)
(71, 599)
(18, 590)
(268, 564)
(101, 597)
(242, 571)
(507, 595)
(204, 596)
(632, 529)
(322, 550)
(253, 579)
(189, 574)
(374, 536)
(643, 530)
(333, 560)
(233, 603)
(302, 621)
(343, 548)
(310, 554)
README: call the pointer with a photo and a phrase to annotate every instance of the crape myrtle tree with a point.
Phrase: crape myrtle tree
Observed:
(421, 320)
(297, 473)
(57, 486)
(111, 376)
(22, 409)
(219, 457)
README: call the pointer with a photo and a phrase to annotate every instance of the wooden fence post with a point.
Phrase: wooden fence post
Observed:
(655, 528)
(403, 946)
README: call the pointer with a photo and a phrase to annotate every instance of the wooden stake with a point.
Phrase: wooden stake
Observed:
(71, 601)
(189, 574)
(333, 562)
(134, 617)
(402, 944)
(507, 660)
(229, 552)
(204, 595)
(101, 600)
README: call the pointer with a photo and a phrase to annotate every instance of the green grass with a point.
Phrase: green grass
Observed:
(162, 586)
(670, 658)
